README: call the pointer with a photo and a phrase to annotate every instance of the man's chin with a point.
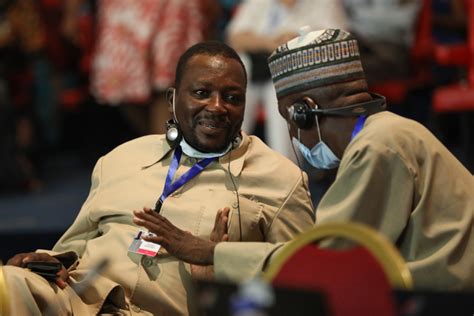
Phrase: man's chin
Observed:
(210, 147)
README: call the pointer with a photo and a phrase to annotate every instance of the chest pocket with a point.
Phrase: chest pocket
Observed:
(246, 225)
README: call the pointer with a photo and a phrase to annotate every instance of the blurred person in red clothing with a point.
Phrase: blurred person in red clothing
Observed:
(137, 48)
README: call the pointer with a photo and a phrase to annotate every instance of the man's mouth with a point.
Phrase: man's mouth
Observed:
(213, 124)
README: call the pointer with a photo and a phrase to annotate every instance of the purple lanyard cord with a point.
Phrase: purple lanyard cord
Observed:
(358, 126)
(170, 186)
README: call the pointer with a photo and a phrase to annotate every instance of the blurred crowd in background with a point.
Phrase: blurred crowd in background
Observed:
(78, 77)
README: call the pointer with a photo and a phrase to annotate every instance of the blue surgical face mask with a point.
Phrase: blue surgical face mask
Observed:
(190, 151)
(320, 156)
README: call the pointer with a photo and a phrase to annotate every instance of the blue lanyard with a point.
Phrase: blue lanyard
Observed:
(170, 186)
(359, 125)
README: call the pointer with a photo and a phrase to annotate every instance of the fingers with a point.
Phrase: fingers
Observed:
(43, 257)
(221, 228)
(151, 226)
(147, 216)
(167, 233)
(219, 231)
(21, 259)
(61, 283)
(225, 211)
(62, 277)
(157, 240)
(224, 216)
(221, 216)
(218, 216)
(155, 222)
(17, 260)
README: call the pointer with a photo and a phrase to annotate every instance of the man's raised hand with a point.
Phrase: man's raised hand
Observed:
(179, 243)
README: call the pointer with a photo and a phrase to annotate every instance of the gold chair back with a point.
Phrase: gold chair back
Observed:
(378, 245)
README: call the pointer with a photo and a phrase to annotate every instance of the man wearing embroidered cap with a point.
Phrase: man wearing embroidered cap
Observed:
(393, 175)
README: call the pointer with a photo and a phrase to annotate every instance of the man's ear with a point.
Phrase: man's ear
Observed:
(310, 102)
(170, 97)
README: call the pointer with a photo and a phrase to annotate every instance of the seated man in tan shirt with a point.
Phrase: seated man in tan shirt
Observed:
(202, 164)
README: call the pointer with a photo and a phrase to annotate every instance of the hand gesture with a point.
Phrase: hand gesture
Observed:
(179, 243)
(218, 234)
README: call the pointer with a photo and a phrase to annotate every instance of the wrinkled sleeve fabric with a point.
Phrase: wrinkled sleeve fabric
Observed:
(295, 215)
(241, 261)
(238, 262)
(373, 186)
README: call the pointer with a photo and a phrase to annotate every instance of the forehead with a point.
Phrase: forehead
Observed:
(206, 68)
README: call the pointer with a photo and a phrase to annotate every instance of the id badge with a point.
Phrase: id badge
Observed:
(144, 247)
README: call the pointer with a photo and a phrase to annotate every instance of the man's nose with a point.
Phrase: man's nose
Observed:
(216, 104)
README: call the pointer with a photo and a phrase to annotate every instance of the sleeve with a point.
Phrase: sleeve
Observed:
(295, 215)
(374, 186)
(71, 245)
(238, 262)
(241, 261)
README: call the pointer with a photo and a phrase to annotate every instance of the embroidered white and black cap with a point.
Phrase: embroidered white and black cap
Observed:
(314, 59)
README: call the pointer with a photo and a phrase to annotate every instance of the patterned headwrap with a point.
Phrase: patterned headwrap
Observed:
(315, 59)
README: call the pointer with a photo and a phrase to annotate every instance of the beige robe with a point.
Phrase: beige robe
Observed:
(272, 198)
(398, 178)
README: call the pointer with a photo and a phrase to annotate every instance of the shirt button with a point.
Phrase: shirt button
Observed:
(192, 160)
(147, 262)
(136, 308)
(235, 205)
